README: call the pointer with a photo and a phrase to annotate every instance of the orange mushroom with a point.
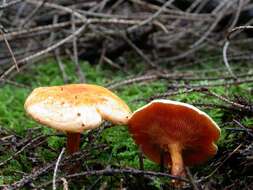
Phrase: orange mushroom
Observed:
(185, 134)
(75, 108)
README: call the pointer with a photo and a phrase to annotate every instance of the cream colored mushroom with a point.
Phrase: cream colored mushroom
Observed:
(75, 108)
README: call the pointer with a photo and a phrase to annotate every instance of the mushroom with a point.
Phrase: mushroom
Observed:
(181, 131)
(75, 108)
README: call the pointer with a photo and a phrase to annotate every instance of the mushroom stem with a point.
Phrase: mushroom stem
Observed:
(73, 142)
(177, 167)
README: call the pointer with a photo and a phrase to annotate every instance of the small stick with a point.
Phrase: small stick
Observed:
(10, 50)
(244, 128)
(125, 171)
(216, 169)
(65, 184)
(111, 63)
(190, 177)
(48, 167)
(57, 53)
(56, 168)
(153, 17)
(235, 30)
(32, 14)
(138, 51)
(21, 150)
(61, 66)
(225, 59)
(75, 51)
(238, 29)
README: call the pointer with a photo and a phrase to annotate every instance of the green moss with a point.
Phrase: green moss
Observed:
(247, 122)
(121, 150)
(55, 142)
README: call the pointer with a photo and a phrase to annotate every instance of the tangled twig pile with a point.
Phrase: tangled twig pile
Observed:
(157, 31)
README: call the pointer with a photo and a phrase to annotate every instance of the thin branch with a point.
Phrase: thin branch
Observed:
(238, 29)
(56, 168)
(144, 57)
(128, 171)
(14, 2)
(153, 17)
(57, 53)
(240, 106)
(237, 14)
(48, 28)
(30, 143)
(10, 50)
(221, 164)
(65, 183)
(225, 59)
(243, 127)
(32, 14)
(225, 47)
(75, 52)
(214, 24)
(110, 62)
(191, 179)
(48, 167)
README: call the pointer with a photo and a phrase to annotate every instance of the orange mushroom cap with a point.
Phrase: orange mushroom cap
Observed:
(164, 122)
(76, 107)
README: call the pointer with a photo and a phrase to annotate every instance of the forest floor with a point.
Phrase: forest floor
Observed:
(109, 156)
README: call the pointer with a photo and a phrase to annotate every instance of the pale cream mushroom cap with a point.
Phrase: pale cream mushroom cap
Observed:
(76, 107)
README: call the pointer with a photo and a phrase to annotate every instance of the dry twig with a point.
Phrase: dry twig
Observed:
(56, 168)
(110, 171)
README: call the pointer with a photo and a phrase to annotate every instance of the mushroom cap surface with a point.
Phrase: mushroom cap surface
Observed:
(76, 107)
(164, 122)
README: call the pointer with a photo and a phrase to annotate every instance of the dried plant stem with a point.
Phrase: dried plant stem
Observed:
(110, 171)
(10, 50)
(56, 168)
(225, 59)
(216, 169)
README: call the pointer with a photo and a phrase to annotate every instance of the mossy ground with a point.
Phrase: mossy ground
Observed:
(121, 149)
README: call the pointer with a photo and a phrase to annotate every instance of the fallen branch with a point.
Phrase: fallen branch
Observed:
(110, 171)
